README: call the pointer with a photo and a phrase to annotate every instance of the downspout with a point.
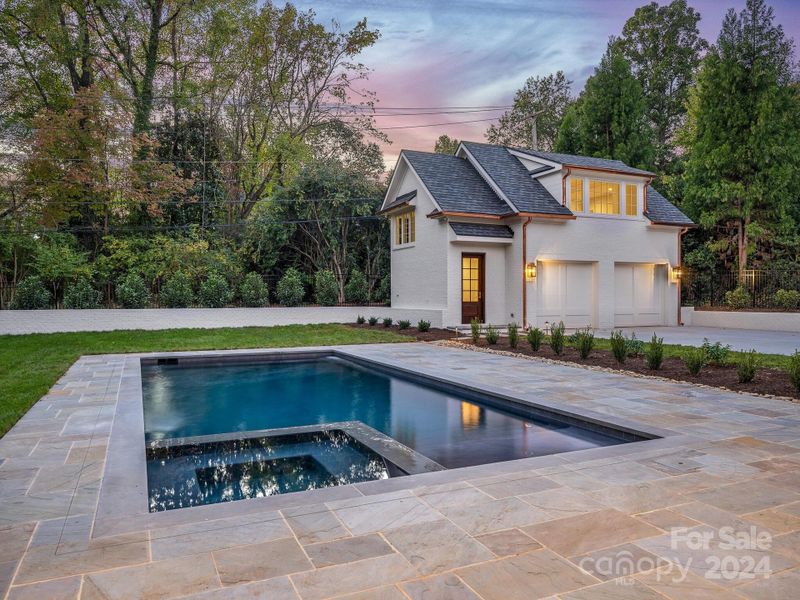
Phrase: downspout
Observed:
(682, 231)
(524, 280)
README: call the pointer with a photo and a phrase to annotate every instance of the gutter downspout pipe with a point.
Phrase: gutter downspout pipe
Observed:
(680, 279)
(524, 280)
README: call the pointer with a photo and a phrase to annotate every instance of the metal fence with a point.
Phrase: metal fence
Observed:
(700, 288)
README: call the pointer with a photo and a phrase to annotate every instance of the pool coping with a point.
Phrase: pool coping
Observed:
(123, 501)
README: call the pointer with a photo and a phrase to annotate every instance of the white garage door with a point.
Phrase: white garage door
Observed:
(566, 293)
(639, 294)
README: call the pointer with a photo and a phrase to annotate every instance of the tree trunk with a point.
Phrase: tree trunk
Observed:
(144, 103)
(741, 241)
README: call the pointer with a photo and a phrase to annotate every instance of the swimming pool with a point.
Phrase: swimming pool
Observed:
(201, 410)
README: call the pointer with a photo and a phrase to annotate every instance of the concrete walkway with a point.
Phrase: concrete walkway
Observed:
(770, 342)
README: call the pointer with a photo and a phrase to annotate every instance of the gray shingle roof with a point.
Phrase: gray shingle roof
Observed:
(590, 162)
(455, 184)
(510, 175)
(481, 230)
(401, 199)
(661, 210)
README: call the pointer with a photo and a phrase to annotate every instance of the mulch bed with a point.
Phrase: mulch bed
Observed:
(771, 382)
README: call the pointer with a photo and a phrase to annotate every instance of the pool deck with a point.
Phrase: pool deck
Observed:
(603, 523)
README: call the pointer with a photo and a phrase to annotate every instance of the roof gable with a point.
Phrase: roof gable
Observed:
(454, 184)
(586, 162)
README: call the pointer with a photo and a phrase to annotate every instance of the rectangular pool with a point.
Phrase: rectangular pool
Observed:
(450, 428)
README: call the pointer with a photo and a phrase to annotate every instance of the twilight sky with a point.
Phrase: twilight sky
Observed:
(477, 53)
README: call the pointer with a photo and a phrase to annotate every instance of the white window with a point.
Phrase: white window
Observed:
(404, 227)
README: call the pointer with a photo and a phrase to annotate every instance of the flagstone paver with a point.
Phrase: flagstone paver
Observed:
(509, 530)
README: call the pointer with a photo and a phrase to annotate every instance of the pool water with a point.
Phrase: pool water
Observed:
(208, 473)
(187, 401)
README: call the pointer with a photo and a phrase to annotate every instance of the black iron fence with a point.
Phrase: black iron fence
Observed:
(755, 288)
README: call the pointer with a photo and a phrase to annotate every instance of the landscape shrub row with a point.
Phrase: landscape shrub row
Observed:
(181, 291)
(422, 324)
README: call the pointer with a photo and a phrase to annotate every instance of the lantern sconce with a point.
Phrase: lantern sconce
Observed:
(677, 273)
(530, 271)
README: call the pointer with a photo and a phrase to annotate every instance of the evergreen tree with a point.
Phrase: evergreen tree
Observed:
(446, 145)
(663, 46)
(610, 121)
(743, 137)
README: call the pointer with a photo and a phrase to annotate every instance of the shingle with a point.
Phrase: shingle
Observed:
(661, 210)
(573, 160)
(482, 230)
(455, 184)
(401, 199)
(511, 176)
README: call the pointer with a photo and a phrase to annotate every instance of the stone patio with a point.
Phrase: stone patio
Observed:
(582, 525)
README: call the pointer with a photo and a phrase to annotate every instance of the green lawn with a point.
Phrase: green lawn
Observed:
(31, 364)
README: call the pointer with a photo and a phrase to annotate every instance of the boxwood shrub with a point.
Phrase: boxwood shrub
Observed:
(81, 294)
(326, 289)
(253, 291)
(132, 292)
(177, 291)
(290, 290)
(357, 289)
(31, 294)
(215, 292)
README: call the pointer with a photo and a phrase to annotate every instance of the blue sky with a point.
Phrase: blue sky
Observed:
(466, 52)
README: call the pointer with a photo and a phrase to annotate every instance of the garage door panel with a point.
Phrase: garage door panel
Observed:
(638, 294)
(566, 293)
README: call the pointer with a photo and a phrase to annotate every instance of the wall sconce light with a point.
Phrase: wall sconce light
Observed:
(677, 273)
(530, 271)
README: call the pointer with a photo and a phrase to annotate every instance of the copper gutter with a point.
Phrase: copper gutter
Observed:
(644, 196)
(680, 279)
(524, 280)
(567, 171)
(545, 216)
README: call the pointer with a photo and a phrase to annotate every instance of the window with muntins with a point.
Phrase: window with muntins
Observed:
(603, 197)
(576, 195)
(404, 227)
(630, 200)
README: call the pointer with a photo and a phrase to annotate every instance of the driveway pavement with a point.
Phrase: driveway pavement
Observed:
(770, 342)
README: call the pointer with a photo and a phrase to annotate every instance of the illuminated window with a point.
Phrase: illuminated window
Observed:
(404, 226)
(630, 200)
(470, 279)
(603, 197)
(576, 195)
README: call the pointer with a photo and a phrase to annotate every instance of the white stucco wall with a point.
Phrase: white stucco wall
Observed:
(419, 270)
(768, 321)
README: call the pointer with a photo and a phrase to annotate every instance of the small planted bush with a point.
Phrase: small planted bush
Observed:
(373, 321)
(618, 346)
(492, 335)
(475, 330)
(360, 320)
(694, 359)
(557, 338)
(584, 342)
(633, 346)
(290, 290)
(132, 292)
(423, 325)
(535, 336)
(716, 353)
(513, 335)
(31, 294)
(215, 292)
(387, 322)
(787, 299)
(326, 289)
(357, 289)
(81, 294)
(794, 370)
(738, 298)
(177, 291)
(253, 291)
(403, 324)
(654, 354)
(746, 366)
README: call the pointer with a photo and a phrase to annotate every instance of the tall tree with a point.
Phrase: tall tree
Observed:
(664, 48)
(743, 136)
(542, 98)
(610, 121)
(445, 144)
